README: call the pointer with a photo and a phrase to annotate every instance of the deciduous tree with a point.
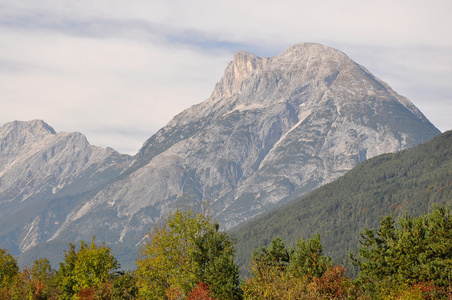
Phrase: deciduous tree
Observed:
(182, 252)
(165, 260)
(8, 267)
(89, 268)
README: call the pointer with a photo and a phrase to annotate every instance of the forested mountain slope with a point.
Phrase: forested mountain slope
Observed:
(408, 181)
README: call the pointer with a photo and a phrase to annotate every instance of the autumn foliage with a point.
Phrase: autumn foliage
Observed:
(200, 292)
(188, 258)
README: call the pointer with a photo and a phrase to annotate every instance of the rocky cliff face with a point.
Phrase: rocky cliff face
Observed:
(273, 129)
(38, 165)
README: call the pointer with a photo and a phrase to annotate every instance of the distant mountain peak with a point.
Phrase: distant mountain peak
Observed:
(238, 70)
(34, 126)
(303, 50)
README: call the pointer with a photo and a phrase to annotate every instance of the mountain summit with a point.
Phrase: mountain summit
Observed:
(278, 127)
(273, 129)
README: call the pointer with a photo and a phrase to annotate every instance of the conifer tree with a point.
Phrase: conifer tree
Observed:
(308, 259)
(418, 250)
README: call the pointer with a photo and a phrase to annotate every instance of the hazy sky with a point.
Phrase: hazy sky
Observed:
(118, 70)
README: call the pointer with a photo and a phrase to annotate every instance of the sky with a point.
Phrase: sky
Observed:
(117, 71)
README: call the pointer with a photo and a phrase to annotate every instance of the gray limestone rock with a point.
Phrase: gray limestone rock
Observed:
(38, 165)
(273, 129)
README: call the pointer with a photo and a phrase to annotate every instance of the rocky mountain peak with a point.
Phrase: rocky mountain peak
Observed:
(244, 64)
(311, 50)
(31, 129)
(274, 128)
(306, 62)
(238, 70)
(18, 137)
(311, 102)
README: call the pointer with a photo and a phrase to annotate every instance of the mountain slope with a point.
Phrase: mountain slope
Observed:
(408, 181)
(38, 165)
(273, 129)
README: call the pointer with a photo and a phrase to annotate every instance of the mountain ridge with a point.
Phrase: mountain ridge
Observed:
(273, 128)
(37, 164)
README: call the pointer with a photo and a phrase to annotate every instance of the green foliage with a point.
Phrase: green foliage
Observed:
(88, 268)
(42, 270)
(408, 181)
(269, 282)
(308, 259)
(124, 286)
(208, 247)
(276, 255)
(185, 251)
(303, 273)
(9, 277)
(165, 259)
(214, 255)
(8, 268)
(40, 280)
(408, 260)
(417, 250)
(223, 278)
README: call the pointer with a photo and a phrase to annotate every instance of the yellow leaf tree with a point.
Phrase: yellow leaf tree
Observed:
(185, 252)
(165, 263)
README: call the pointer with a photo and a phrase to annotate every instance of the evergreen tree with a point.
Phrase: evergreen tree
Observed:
(214, 255)
(308, 259)
(124, 286)
(275, 256)
(418, 250)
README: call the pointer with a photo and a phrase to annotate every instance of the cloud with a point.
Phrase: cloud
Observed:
(420, 73)
(81, 84)
(118, 71)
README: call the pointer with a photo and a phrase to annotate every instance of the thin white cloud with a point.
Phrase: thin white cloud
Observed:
(92, 65)
(83, 84)
(423, 74)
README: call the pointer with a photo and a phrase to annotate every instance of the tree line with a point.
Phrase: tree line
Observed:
(410, 181)
(188, 257)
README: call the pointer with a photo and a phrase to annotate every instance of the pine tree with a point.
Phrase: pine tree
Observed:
(308, 259)
(417, 251)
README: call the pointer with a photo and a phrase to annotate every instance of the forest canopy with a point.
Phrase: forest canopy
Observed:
(188, 257)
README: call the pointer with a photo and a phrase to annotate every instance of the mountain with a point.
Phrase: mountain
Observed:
(39, 168)
(409, 181)
(273, 129)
